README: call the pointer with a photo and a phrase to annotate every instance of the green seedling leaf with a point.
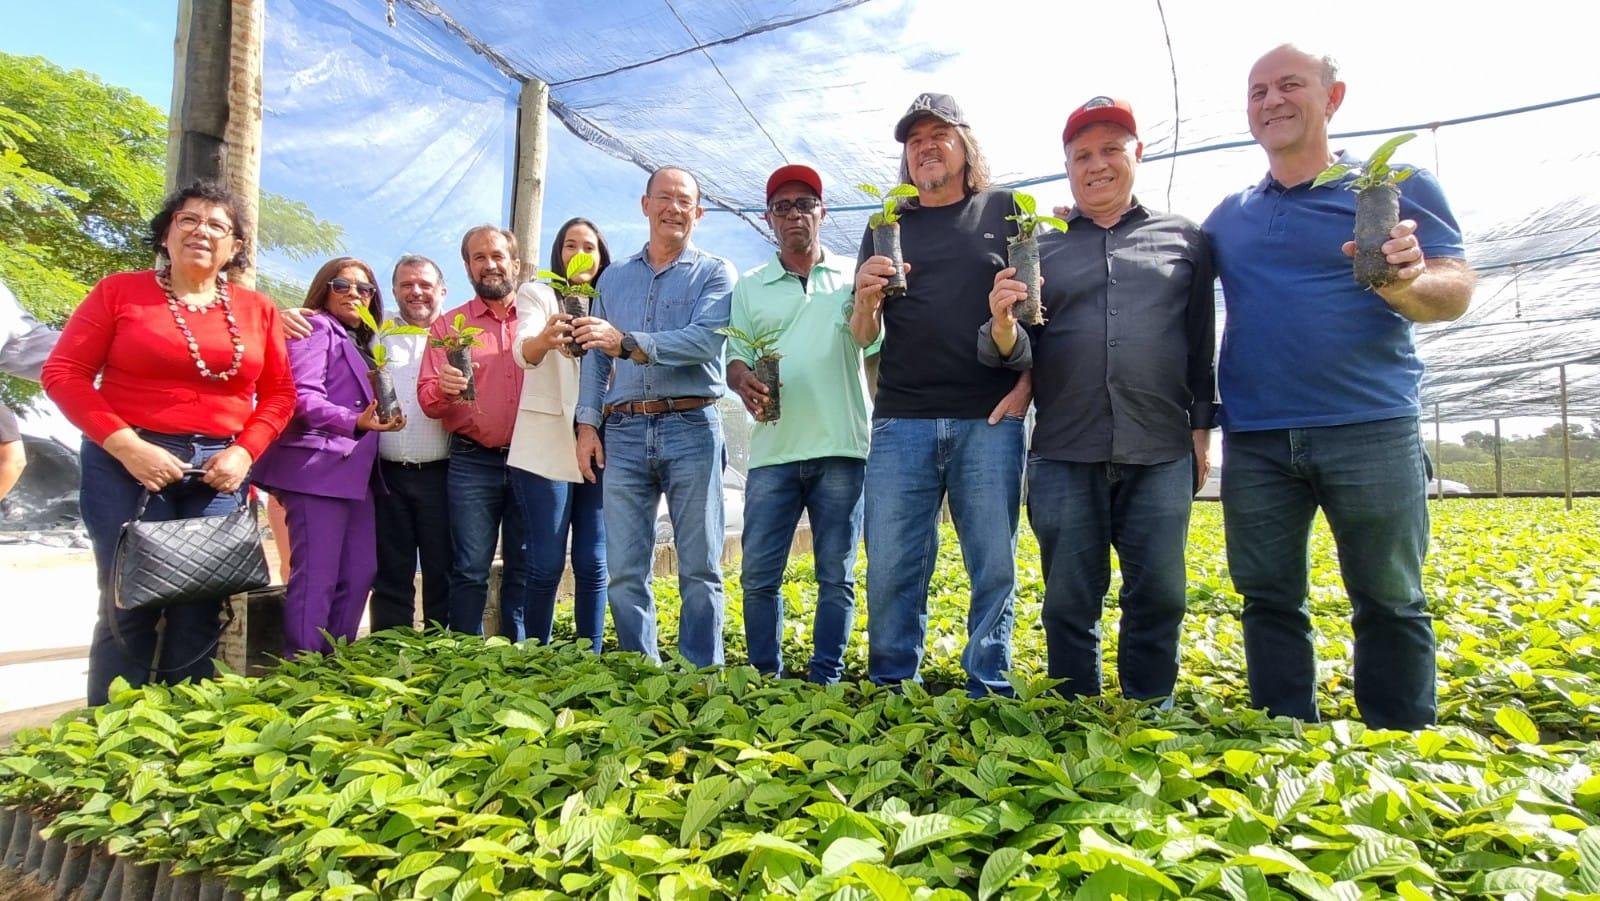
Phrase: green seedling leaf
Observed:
(1375, 172)
(884, 883)
(930, 828)
(1380, 157)
(1331, 174)
(1002, 866)
(1589, 859)
(1027, 219)
(1516, 724)
(844, 852)
(436, 880)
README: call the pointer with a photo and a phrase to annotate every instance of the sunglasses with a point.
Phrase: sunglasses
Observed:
(345, 286)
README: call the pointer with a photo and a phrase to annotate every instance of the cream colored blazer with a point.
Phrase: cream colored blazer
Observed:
(542, 441)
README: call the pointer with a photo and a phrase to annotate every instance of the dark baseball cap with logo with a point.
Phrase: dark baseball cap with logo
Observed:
(1100, 109)
(940, 106)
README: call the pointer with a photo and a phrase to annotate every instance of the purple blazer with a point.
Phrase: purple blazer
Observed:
(320, 453)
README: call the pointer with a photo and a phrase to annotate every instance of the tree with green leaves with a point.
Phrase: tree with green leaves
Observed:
(82, 171)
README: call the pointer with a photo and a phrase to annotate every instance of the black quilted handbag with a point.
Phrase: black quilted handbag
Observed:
(185, 561)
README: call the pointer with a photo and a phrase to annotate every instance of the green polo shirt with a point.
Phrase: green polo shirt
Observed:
(825, 410)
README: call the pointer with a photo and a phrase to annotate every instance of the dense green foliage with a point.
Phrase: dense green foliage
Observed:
(82, 171)
(443, 766)
(1528, 463)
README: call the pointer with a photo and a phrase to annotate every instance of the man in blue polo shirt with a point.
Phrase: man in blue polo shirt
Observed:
(1319, 385)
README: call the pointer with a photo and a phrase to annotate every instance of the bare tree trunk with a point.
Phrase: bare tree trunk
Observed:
(527, 193)
(214, 131)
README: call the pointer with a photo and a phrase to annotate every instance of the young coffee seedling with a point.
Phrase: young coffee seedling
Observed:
(382, 380)
(1023, 251)
(458, 342)
(885, 226)
(575, 296)
(1377, 207)
(764, 350)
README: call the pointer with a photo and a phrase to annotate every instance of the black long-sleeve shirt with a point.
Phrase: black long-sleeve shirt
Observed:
(1124, 366)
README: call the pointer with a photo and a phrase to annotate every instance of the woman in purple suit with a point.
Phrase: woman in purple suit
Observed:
(322, 469)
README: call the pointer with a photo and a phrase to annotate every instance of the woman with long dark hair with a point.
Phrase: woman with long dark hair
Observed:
(192, 373)
(550, 494)
(322, 469)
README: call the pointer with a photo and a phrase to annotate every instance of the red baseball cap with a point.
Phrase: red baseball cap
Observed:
(794, 172)
(1100, 109)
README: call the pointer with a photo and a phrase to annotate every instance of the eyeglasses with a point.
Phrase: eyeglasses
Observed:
(345, 286)
(805, 206)
(188, 222)
(680, 202)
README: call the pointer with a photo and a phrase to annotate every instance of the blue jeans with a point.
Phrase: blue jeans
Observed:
(482, 509)
(913, 464)
(1370, 479)
(552, 511)
(680, 455)
(107, 499)
(1080, 511)
(828, 489)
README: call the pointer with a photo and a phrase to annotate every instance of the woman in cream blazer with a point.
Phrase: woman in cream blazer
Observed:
(552, 496)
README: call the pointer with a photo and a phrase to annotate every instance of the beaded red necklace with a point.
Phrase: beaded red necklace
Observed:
(164, 278)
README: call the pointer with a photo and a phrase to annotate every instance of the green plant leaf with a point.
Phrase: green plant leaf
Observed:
(929, 828)
(884, 883)
(1026, 204)
(1517, 724)
(1380, 157)
(903, 190)
(1003, 865)
(435, 880)
(1378, 857)
(848, 850)
(579, 264)
(707, 800)
(1331, 174)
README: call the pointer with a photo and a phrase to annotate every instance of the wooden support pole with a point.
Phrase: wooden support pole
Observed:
(1499, 484)
(527, 191)
(214, 130)
(1566, 439)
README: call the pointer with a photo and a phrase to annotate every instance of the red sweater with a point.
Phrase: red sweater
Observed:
(124, 333)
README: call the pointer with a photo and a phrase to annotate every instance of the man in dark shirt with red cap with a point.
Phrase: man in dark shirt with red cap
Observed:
(1123, 383)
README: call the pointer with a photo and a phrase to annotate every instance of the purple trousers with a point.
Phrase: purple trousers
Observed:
(333, 559)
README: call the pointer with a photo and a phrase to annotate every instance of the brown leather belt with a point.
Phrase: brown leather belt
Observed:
(665, 405)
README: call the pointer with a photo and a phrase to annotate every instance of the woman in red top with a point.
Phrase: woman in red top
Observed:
(192, 373)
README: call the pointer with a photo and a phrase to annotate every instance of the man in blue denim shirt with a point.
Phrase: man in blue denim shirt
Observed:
(652, 334)
(1319, 380)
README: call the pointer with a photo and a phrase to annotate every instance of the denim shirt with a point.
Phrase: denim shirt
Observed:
(674, 315)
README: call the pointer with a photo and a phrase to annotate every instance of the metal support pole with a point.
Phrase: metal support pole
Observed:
(1438, 455)
(1499, 484)
(1566, 438)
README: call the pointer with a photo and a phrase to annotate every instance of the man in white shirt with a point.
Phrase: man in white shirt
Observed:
(413, 518)
(24, 344)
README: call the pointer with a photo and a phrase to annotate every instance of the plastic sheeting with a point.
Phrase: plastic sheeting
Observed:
(412, 125)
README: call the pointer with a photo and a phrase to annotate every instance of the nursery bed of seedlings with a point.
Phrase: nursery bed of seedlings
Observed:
(447, 766)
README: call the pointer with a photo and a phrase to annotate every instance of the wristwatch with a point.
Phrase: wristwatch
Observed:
(629, 345)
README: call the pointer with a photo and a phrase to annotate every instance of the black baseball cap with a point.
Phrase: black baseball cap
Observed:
(939, 106)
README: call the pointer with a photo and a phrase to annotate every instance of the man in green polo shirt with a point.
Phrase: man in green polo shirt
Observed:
(812, 458)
